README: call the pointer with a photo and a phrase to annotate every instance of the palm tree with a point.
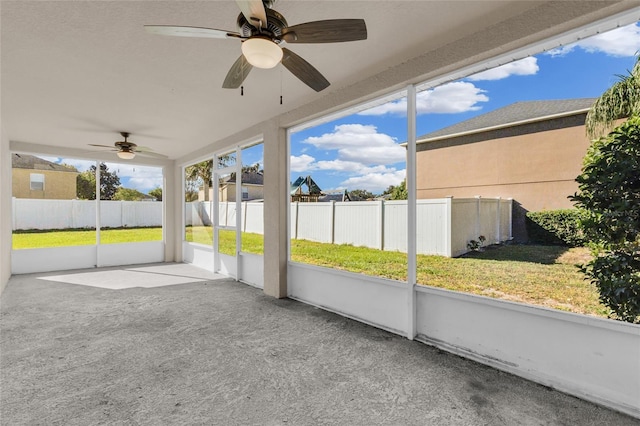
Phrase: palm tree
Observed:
(622, 100)
(200, 173)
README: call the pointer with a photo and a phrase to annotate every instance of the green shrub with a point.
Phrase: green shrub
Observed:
(556, 227)
(616, 274)
(609, 190)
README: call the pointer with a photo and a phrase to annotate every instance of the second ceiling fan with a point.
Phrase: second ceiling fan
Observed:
(262, 30)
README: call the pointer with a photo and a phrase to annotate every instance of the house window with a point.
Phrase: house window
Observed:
(245, 193)
(36, 182)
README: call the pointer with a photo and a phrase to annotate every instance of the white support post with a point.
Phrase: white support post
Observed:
(13, 213)
(122, 214)
(333, 221)
(478, 201)
(510, 218)
(381, 225)
(98, 204)
(498, 217)
(295, 221)
(215, 215)
(448, 228)
(244, 212)
(411, 212)
(238, 224)
(276, 205)
(170, 233)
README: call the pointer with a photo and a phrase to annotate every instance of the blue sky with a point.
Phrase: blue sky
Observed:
(362, 151)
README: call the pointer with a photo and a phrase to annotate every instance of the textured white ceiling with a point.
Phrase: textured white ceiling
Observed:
(78, 72)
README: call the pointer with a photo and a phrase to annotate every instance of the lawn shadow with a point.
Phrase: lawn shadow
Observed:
(542, 254)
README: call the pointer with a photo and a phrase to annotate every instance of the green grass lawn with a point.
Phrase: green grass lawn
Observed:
(251, 243)
(539, 275)
(83, 237)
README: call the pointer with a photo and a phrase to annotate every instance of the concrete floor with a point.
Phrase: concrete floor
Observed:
(188, 348)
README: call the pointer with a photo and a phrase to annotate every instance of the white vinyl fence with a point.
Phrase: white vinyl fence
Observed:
(444, 226)
(76, 214)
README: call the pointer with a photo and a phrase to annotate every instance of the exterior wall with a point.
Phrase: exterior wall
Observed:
(228, 192)
(58, 185)
(535, 164)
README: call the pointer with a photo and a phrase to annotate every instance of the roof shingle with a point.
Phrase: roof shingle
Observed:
(516, 112)
(25, 161)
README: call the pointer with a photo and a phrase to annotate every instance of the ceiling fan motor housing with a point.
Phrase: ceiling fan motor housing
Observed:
(275, 24)
(126, 146)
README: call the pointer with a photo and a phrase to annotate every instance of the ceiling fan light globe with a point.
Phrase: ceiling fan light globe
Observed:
(126, 155)
(261, 52)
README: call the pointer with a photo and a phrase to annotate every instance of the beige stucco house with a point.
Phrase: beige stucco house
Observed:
(252, 188)
(529, 151)
(34, 177)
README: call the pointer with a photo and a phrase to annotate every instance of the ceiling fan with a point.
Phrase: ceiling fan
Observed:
(128, 150)
(261, 31)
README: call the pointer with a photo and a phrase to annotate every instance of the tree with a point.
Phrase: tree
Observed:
(388, 191)
(360, 195)
(199, 174)
(128, 194)
(86, 183)
(400, 191)
(156, 193)
(621, 100)
(251, 169)
(609, 191)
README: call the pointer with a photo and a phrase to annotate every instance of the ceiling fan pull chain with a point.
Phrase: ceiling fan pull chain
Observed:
(280, 85)
(241, 90)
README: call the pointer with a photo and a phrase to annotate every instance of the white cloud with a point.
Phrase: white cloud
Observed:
(142, 178)
(375, 182)
(623, 41)
(301, 163)
(525, 66)
(450, 98)
(360, 143)
(362, 156)
(346, 135)
(349, 166)
(561, 51)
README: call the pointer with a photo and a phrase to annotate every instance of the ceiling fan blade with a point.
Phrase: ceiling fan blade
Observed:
(254, 11)
(329, 31)
(304, 70)
(172, 30)
(149, 154)
(139, 148)
(238, 72)
(101, 146)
